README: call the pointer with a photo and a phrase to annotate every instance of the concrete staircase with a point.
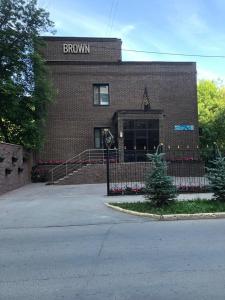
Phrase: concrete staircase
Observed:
(91, 173)
(86, 167)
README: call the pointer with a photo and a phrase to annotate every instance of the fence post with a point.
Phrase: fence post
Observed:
(107, 170)
(109, 140)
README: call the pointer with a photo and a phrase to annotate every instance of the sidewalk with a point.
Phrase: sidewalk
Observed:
(140, 198)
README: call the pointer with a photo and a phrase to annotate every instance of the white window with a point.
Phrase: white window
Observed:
(101, 94)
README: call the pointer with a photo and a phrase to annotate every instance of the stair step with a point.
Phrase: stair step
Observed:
(71, 174)
(60, 179)
(63, 180)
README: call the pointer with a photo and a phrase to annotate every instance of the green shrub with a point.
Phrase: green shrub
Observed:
(216, 176)
(159, 188)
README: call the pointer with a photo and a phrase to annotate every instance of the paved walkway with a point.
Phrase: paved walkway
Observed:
(43, 205)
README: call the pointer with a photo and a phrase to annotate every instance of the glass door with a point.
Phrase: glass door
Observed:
(140, 137)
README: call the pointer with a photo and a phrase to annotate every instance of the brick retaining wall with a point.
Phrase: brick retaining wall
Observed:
(15, 167)
(130, 172)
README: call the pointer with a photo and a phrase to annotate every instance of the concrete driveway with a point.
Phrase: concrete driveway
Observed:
(61, 242)
(40, 205)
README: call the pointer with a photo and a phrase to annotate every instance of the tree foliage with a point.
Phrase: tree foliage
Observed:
(159, 188)
(216, 176)
(25, 90)
(211, 107)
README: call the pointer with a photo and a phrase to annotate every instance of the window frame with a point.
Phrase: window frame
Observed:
(99, 86)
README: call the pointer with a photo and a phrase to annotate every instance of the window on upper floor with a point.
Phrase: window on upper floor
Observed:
(101, 94)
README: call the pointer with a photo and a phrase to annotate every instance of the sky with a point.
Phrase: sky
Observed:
(171, 26)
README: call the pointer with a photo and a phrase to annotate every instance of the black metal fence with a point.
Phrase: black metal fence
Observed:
(186, 167)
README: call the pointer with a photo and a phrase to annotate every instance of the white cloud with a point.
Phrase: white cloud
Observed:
(125, 30)
(95, 26)
(209, 75)
(78, 24)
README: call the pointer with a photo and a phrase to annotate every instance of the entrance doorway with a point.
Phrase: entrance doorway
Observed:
(140, 137)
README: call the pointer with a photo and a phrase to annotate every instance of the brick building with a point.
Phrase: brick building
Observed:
(142, 103)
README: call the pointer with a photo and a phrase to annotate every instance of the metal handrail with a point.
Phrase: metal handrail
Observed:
(68, 160)
(63, 169)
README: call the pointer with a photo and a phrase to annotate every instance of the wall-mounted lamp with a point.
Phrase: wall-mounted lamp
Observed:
(121, 134)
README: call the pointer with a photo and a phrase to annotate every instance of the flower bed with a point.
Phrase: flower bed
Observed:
(140, 190)
(184, 159)
(127, 191)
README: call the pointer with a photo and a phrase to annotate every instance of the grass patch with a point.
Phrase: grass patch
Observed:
(176, 207)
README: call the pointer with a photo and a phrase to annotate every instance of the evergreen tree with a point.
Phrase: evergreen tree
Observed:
(216, 176)
(25, 89)
(159, 188)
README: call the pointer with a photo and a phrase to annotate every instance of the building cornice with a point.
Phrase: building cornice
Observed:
(72, 38)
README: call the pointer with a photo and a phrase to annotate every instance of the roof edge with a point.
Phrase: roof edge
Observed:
(73, 38)
(77, 62)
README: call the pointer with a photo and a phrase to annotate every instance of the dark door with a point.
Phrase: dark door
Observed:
(140, 137)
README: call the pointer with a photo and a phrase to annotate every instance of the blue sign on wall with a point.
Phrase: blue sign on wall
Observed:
(184, 127)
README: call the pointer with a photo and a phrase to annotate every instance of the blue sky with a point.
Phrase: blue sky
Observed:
(177, 26)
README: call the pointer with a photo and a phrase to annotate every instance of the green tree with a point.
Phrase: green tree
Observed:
(159, 188)
(216, 176)
(211, 108)
(25, 90)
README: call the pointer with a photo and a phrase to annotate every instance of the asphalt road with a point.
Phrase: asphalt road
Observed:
(63, 243)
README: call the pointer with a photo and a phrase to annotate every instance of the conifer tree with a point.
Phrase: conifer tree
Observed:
(216, 176)
(159, 188)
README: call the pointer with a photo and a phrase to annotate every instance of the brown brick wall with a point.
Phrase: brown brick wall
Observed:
(100, 49)
(23, 160)
(86, 175)
(72, 117)
(130, 172)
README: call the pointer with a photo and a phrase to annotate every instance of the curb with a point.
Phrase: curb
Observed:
(175, 217)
